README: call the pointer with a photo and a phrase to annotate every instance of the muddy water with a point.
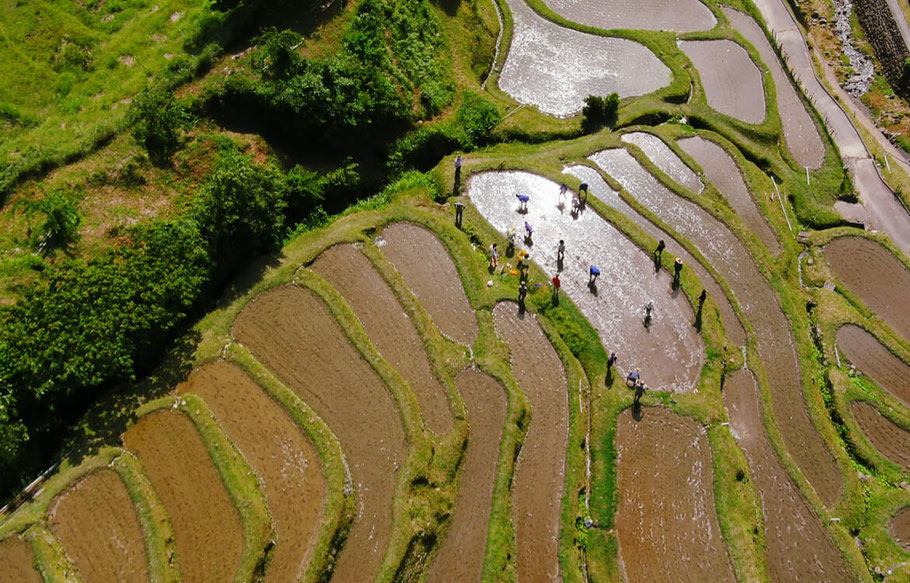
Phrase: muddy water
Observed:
(555, 68)
(17, 561)
(720, 169)
(900, 527)
(669, 352)
(207, 529)
(461, 554)
(675, 15)
(732, 82)
(871, 272)
(389, 328)
(599, 188)
(800, 132)
(797, 547)
(539, 476)
(97, 525)
(292, 332)
(279, 452)
(892, 441)
(759, 304)
(666, 519)
(427, 269)
(875, 361)
(665, 159)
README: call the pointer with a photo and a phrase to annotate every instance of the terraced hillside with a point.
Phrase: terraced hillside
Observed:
(649, 350)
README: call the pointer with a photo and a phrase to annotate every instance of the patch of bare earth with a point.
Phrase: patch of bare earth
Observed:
(207, 529)
(279, 452)
(539, 476)
(797, 546)
(389, 328)
(723, 172)
(461, 554)
(292, 332)
(892, 441)
(666, 520)
(871, 272)
(732, 82)
(97, 524)
(427, 269)
(17, 561)
(875, 361)
(900, 527)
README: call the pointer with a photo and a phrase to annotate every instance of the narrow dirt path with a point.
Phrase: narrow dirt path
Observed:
(871, 272)
(427, 269)
(875, 361)
(799, 129)
(797, 547)
(292, 332)
(17, 561)
(668, 349)
(723, 172)
(889, 439)
(207, 529)
(279, 452)
(540, 474)
(732, 82)
(460, 556)
(599, 188)
(96, 523)
(886, 212)
(760, 305)
(389, 328)
(666, 520)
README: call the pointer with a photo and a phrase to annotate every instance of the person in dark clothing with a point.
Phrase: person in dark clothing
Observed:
(522, 292)
(459, 213)
(702, 297)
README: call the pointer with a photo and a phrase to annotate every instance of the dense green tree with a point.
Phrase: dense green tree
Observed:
(156, 119)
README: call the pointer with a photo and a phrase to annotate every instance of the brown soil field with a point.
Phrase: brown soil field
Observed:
(292, 331)
(666, 159)
(889, 439)
(207, 529)
(389, 328)
(799, 129)
(900, 527)
(732, 82)
(797, 546)
(599, 188)
(427, 269)
(540, 474)
(675, 15)
(720, 169)
(97, 524)
(875, 361)
(666, 520)
(17, 561)
(279, 452)
(760, 304)
(461, 554)
(871, 272)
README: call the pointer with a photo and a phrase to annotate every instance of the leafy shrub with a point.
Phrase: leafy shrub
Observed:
(600, 111)
(61, 218)
(156, 118)
(477, 117)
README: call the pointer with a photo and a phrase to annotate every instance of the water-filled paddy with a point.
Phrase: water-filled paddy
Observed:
(665, 159)
(675, 15)
(732, 82)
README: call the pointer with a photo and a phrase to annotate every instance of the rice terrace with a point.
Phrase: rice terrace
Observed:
(455, 290)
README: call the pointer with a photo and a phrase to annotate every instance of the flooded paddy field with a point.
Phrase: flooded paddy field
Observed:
(293, 333)
(760, 305)
(668, 350)
(413, 250)
(723, 172)
(539, 475)
(732, 82)
(666, 159)
(460, 556)
(555, 68)
(95, 521)
(279, 452)
(675, 15)
(389, 328)
(666, 520)
(875, 361)
(889, 439)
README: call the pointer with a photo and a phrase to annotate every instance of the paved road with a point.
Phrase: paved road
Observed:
(902, 25)
(886, 213)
